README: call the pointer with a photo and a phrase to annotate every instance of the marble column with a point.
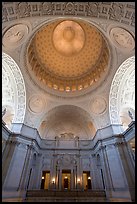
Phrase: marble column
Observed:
(106, 168)
(7, 157)
(60, 179)
(26, 169)
(71, 179)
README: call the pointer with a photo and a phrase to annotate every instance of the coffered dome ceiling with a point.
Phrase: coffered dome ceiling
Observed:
(68, 55)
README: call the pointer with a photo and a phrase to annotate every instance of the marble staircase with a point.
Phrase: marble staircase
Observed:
(65, 196)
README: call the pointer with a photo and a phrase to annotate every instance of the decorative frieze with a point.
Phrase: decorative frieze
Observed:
(118, 11)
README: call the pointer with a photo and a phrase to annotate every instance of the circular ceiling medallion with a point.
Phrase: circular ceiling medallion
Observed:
(68, 38)
(15, 35)
(68, 55)
(36, 104)
(122, 38)
(98, 105)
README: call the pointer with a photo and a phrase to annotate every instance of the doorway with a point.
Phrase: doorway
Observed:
(86, 180)
(66, 174)
(45, 180)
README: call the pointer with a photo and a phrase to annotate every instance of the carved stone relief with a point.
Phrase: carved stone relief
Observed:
(98, 105)
(15, 35)
(67, 136)
(116, 100)
(122, 38)
(8, 95)
(128, 89)
(66, 160)
(36, 104)
(19, 85)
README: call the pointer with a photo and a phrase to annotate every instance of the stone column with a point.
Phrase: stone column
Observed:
(7, 157)
(39, 172)
(25, 172)
(127, 166)
(92, 172)
(57, 178)
(106, 168)
(52, 172)
(74, 177)
(116, 176)
(79, 173)
(71, 179)
(60, 178)
(34, 172)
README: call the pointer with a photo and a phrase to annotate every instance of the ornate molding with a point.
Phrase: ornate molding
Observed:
(98, 105)
(123, 12)
(36, 103)
(115, 99)
(20, 91)
(13, 142)
(15, 35)
(85, 143)
(119, 143)
(122, 39)
(66, 160)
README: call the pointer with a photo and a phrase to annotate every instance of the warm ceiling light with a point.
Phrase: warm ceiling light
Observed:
(42, 177)
(89, 177)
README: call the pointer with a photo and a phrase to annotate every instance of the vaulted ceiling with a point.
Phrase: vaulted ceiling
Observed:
(68, 54)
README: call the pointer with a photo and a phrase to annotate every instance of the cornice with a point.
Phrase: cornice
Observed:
(123, 12)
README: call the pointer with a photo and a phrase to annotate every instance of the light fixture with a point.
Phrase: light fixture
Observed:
(66, 177)
(89, 177)
(53, 180)
(78, 180)
(42, 177)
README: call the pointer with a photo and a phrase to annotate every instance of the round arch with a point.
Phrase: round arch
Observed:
(13, 90)
(122, 91)
(67, 120)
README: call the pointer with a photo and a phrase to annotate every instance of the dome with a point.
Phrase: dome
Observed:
(68, 55)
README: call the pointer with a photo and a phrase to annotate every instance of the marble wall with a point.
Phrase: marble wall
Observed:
(107, 158)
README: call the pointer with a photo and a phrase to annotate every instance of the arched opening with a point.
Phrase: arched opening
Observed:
(122, 94)
(13, 92)
(42, 127)
(67, 121)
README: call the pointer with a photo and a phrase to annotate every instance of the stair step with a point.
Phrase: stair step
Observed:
(65, 196)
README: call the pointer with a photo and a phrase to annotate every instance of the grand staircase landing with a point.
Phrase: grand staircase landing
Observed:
(65, 196)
